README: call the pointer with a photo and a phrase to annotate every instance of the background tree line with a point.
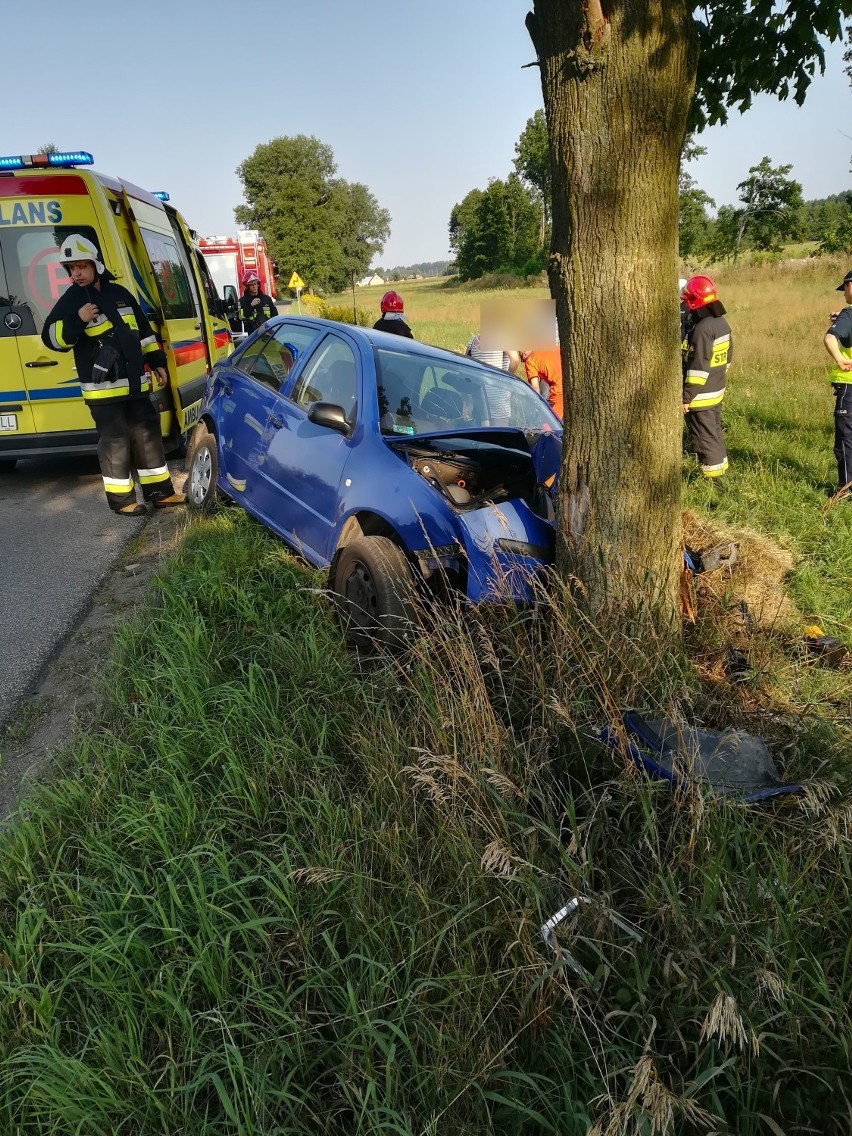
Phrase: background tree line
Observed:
(770, 211)
(423, 268)
(506, 226)
(317, 224)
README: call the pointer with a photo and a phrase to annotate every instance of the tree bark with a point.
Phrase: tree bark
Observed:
(618, 79)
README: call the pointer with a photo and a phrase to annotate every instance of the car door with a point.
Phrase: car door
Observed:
(244, 402)
(15, 412)
(52, 402)
(303, 464)
(248, 393)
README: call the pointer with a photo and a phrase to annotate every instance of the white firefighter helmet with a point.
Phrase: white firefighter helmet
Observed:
(681, 284)
(76, 247)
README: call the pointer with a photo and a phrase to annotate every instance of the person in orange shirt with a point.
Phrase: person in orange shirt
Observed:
(544, 374)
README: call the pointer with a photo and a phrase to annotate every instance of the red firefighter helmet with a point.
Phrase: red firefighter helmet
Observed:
(392, 302)
(699, 290)
(250, 278)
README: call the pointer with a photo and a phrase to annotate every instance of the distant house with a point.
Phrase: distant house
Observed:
(366, 281)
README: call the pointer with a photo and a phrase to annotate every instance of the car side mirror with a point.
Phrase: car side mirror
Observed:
(330, 415)
(231, 299)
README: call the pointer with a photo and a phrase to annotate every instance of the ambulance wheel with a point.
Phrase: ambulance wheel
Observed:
(7, 464)
(375, 593)
(203, 470)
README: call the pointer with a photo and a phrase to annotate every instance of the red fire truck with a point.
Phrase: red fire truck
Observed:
(230, 259)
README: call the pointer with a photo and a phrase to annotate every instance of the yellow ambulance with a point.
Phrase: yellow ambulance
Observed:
(147, 247)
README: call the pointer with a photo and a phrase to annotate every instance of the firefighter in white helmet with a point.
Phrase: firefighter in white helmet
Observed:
(255, 306)
(112, 341)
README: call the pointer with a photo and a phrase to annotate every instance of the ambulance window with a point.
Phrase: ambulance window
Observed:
(183, 253)
(172, 281)
(5, 299)
(214, 303)
(34, 276)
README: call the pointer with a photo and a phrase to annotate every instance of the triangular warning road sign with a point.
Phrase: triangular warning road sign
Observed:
(296, 281)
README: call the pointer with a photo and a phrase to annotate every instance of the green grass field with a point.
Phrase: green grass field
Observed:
(281, 890)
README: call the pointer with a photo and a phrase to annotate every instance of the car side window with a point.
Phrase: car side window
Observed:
(249, 356)
(272, 364)
(291, 341)
(330, 376)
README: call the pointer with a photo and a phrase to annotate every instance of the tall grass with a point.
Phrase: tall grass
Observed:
(286, 890)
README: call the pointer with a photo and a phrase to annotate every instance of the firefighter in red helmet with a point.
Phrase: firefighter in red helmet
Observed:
(255, 306)
(392, 318)
(708, 355)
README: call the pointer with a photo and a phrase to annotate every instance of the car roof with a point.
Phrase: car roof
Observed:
(368, 335)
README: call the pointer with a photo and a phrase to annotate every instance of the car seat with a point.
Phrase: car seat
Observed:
(339, 384)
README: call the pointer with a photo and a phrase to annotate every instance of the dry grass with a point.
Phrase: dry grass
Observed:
(758, 578)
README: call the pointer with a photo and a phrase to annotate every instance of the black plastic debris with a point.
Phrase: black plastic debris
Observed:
(737, 667)
(732, 763)
(827, 648)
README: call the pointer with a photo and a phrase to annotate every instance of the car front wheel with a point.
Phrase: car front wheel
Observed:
(203, 470)
(376, 593)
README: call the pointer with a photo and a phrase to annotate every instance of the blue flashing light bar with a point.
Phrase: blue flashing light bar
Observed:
(161, 195)
(42, 161)
(71, 158)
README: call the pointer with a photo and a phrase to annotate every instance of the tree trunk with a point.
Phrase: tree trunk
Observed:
(618, 81)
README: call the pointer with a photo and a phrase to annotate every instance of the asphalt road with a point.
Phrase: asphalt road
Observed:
(58, 540)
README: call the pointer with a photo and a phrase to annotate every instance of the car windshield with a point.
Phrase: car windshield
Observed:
(422, 394)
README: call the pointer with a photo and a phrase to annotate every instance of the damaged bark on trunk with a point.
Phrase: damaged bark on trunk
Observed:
(618, 79)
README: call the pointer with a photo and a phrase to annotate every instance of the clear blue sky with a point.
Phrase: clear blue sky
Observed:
(421, 101)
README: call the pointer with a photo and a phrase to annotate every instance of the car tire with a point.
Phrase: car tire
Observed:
(7, 464)
(203, 471)
(375, 593)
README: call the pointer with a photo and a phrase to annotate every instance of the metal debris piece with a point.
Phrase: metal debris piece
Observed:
(571, 908)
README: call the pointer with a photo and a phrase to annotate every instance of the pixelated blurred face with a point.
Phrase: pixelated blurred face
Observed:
(518, 323)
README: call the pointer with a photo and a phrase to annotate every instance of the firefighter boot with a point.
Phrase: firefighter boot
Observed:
(169, 502)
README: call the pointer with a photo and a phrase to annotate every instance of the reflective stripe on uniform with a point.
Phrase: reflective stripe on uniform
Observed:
(151, 476)
(113, 390)
(120, 389)
(715, 470)
(118, 484)
(55, 337)
(711, 398)
(105, 386)
(148, 341)
(697, 378)
(98, 329)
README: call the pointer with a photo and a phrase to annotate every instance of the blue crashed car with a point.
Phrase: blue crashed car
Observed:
(397, 466)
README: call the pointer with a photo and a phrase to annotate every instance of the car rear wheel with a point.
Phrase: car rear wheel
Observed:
(203, 470)
(376, 593)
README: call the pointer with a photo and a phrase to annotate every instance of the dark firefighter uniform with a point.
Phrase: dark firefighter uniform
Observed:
(255, 317)
(841, 380)
(394, 323)
(110, 353)
(709, 352)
